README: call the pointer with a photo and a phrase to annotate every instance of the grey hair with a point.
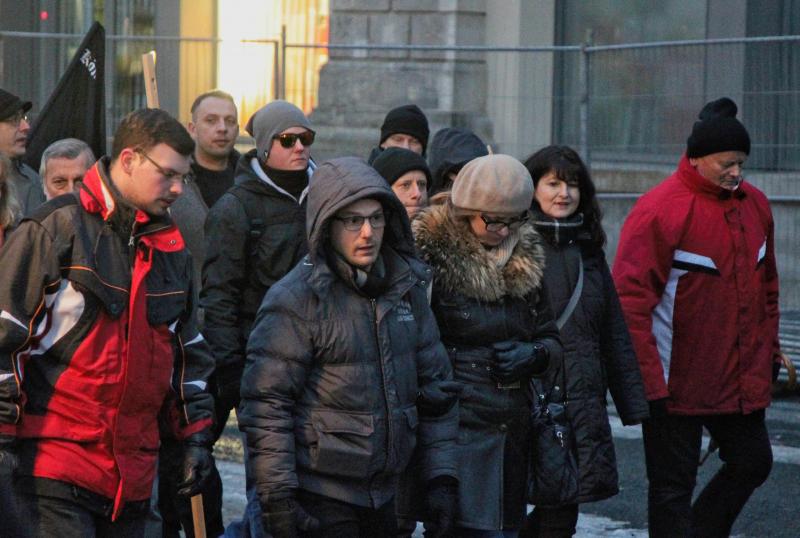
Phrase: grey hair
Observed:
(67, 148)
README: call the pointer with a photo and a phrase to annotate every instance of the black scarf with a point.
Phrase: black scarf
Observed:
(292, 181)
(560, 232)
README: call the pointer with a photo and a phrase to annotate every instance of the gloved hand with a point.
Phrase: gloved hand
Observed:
(442, 506)
(197, 463)
(515, 360)
(283, 517)
(8, 454)
(438, 397)
(658, 408)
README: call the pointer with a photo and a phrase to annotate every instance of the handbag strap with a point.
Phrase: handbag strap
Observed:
(573, 301)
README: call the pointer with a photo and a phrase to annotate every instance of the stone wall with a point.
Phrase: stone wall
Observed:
(358, 87)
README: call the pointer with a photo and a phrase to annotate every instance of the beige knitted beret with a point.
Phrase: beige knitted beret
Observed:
(493, 184)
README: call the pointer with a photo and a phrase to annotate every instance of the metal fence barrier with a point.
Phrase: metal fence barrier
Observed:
(629, 102)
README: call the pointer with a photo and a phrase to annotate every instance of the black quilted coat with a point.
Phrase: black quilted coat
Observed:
(477, 304)
(599, 357)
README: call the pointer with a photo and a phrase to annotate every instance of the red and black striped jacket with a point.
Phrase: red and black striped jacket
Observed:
(697, 279)
(98, 341)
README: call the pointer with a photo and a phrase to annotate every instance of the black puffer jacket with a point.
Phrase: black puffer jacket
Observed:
(598, 356)
(329, 390)
(476, 304)
(254, 236)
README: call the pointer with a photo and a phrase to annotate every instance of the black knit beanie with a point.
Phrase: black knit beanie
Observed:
(392, 163)
(406, 119)
(717, 130)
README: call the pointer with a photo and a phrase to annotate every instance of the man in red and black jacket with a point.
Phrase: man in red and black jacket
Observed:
(98, 342)
(697, 279)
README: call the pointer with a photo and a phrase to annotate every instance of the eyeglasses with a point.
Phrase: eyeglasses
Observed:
(288, 140)
(495, 225)
(354, 223)
(171, 175)
(17, 118)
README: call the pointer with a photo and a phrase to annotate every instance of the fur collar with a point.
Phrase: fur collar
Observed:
(461, 265)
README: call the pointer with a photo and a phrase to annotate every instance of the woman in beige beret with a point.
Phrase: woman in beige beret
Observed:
(497, 326)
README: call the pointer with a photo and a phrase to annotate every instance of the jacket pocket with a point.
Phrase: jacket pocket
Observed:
(345, 443)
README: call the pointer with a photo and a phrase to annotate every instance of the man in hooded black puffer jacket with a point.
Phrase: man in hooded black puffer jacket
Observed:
(341, 351)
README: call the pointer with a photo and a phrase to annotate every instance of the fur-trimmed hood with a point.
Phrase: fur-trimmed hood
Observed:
(460, 263)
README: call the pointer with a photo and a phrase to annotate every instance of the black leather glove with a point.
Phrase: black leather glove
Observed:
(515, 360)
(438, 397)
(283, 517)
(442, 506)
(197, 463)
(8, 454)
(658, 408)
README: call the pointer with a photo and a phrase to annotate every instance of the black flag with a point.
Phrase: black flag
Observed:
(76, 108)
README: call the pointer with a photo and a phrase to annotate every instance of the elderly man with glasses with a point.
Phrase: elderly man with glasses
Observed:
(255, 234)
(14, 129)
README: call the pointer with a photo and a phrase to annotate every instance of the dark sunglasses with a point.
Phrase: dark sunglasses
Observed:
(288, 140)
(495, 225)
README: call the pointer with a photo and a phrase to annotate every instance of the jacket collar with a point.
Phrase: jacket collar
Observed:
(697, 183)
(461, 264)
(99, 196)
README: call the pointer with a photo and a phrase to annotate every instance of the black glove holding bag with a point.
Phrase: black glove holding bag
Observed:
(515, 360)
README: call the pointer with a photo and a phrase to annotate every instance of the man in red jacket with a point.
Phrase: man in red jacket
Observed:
(696, 276)
(98, 342)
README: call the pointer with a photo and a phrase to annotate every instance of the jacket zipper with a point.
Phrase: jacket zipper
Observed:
(383, 385)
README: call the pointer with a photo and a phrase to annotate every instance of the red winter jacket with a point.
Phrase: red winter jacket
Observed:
(97, 335)
(695, 271)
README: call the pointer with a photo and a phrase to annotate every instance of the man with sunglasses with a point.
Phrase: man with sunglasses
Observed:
(255, 234)
(14, 129)
(341, 349)
(100, 354)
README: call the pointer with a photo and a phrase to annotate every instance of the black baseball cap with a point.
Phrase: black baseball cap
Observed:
(10, 104)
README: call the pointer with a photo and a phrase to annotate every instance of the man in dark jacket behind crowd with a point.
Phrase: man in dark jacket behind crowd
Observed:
(340, 350)
(696, 276)
(214, 128)
(14, 129)
(403, 127)
(255, 234)
(451, 149)
(97, 337)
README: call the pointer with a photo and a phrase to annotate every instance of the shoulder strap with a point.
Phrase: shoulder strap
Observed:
(255, 220)
(573, 301)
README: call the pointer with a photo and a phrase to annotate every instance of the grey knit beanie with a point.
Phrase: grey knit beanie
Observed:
(493, 184)
(273, 119)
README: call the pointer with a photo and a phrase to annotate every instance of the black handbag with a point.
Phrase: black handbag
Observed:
(553, 469)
